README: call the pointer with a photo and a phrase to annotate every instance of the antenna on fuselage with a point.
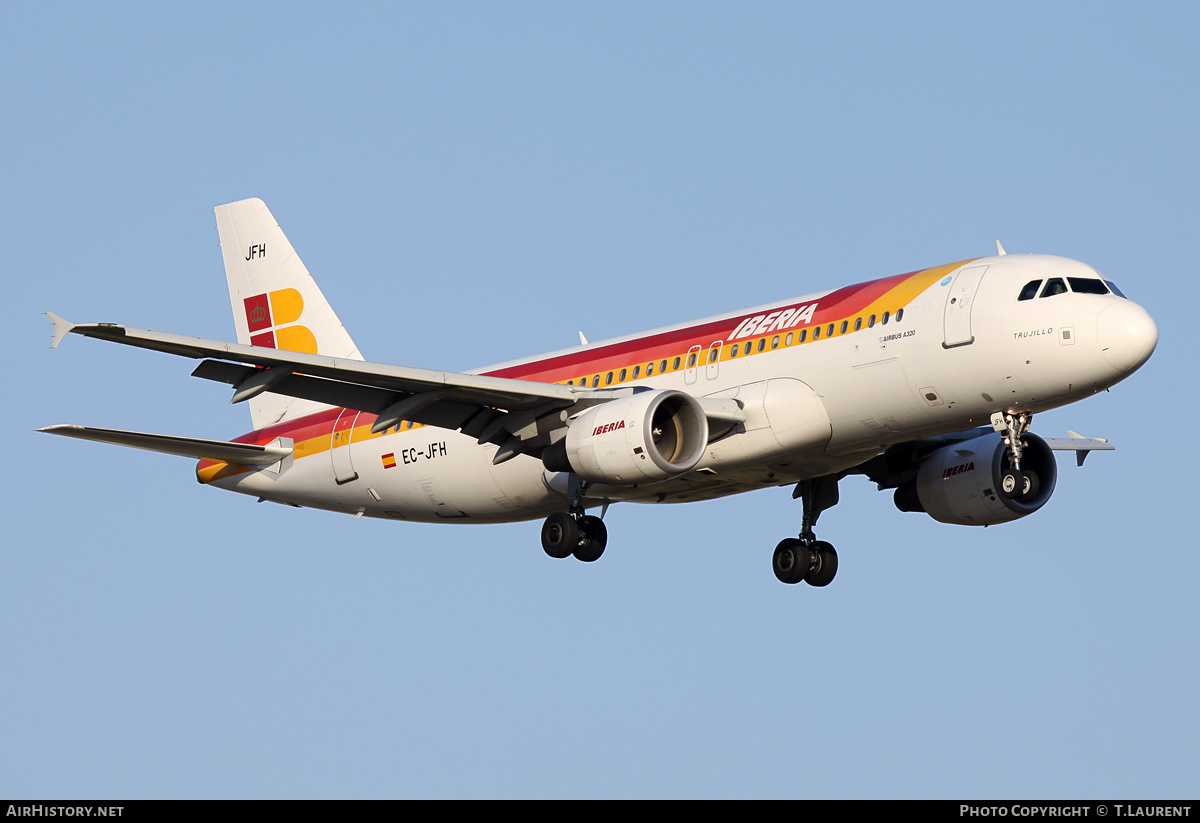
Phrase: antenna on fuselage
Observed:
(582, 340)
(999, 248)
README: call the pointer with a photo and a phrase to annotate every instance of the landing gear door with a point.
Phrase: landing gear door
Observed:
(959, 300)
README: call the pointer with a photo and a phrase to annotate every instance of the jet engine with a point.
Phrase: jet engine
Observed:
(973, 483)
(644, 438)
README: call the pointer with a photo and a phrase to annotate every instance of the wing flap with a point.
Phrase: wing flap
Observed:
(443, 413)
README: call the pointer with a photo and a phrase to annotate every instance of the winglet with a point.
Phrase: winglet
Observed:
(61, 329)
(1000, 249)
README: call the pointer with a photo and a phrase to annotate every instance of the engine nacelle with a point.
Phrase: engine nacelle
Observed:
(644, 438)
(963, 483)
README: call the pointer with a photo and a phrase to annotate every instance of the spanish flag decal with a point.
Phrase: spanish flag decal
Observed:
(389, 460)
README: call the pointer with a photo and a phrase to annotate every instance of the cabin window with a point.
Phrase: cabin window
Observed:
(1030, 290)
(762, 343)
(595, 381)
(886, 315)
(857, 323)
(621, 379)
(692, 360)
(649, 369)
(871, 321)
(733, 350)
(712, 355)
(817, 333)
(1054, 286)
(1086, 285)
(775, 342)
(636, 371)
(899, 315)
(829, 331)
(675, 365)
(570, 382)
(803, 335)
(787, 341)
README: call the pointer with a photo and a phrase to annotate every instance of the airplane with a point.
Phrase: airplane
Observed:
(926, 383)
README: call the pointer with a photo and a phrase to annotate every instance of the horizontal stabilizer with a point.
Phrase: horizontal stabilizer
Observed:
(1079, 444)
(244, 453)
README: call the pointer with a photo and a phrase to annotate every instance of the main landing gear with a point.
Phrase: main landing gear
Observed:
(807, 558)
(565, 534)
(573, 532)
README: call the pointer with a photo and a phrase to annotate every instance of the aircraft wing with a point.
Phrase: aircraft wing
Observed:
(518, 415)
(493, 391)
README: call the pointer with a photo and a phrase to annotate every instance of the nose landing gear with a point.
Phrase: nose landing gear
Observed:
(1015, 483)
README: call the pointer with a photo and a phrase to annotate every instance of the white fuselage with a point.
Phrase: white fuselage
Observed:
(963, 348)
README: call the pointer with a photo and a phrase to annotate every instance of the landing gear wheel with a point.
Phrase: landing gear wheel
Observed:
(826, 567)
(560, 535)
(790, 561)
(1012, 483)
(593, 537)
(1031, 486)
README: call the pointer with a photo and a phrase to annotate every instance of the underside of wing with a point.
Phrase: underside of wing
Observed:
(519, 416)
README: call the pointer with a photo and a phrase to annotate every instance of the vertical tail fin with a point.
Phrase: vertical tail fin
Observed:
(276, 303)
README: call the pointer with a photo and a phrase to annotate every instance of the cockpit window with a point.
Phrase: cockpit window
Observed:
(1115, 290)
(1054, 286)
(1030, 290)
(1086, 285)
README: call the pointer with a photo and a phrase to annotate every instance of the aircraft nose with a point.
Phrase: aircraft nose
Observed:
(1127, 334)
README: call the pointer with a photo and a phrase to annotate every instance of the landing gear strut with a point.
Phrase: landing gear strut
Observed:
(1014, 482)
(806, 558)
(573, 532)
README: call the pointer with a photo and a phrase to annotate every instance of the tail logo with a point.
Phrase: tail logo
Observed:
(269, 317)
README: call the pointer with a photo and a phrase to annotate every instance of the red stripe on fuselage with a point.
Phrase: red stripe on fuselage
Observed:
(836, 305)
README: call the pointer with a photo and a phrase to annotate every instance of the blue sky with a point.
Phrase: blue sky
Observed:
(476, 182)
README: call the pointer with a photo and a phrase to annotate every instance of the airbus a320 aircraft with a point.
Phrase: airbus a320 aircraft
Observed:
(925, 382)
